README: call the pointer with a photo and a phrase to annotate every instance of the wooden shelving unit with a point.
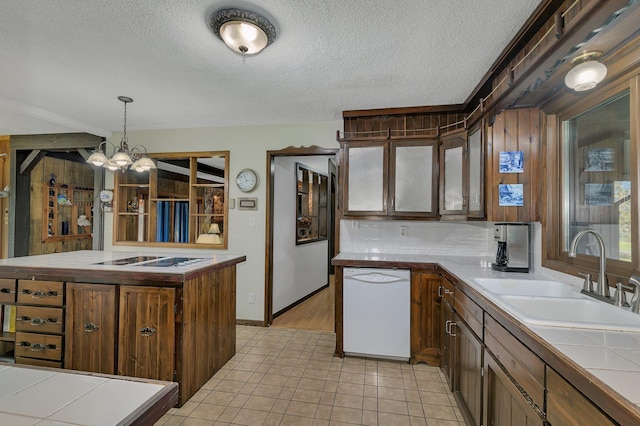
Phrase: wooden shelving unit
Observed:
(63, 204)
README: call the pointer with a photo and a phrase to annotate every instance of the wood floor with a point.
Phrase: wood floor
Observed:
(316, 313)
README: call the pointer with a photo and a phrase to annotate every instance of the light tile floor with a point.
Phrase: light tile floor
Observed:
(290, 377)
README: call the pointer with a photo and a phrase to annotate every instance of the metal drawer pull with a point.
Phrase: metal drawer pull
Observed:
(5, 290)
(147, 331)
(36, 322)
(38, 294)
(446, 327)
(439, 291)
(453, 324)
(55, 321)
(38, 347)
(91, 327)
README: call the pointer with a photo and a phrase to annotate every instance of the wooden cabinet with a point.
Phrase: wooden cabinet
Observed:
(39, 323)
(91, 328)
(469, 353)
(390, 178)
(453, 173)
(67, 212)
(567, 406)
(447, 341)
(146, 336)
(504, 403)
(475, 165)
(425, 317)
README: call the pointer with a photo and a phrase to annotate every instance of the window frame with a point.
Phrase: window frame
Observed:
(191, 198)
(553, 254)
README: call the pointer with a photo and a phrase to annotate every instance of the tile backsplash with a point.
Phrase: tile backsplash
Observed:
(416, 237)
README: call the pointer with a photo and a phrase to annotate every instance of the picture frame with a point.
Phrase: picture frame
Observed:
(511, 195)
(511, 162)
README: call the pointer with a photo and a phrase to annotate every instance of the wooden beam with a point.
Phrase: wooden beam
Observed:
(53, 142)
(30, 162)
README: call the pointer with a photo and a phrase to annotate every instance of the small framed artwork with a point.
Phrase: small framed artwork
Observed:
(511, 195)
(511, 162)
(600, 160)
(598, 194)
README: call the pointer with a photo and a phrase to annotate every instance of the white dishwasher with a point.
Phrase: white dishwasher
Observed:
(376, 309)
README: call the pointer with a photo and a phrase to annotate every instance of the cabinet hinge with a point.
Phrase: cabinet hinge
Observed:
(175, 376)
(481, 371)
(175, 308)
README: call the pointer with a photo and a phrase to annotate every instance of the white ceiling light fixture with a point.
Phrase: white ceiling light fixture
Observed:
(243, 31)
(122, 157)
(586, 73)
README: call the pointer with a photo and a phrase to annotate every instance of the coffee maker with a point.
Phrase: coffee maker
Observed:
(513, 247)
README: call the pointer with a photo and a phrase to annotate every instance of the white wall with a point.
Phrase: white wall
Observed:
(298, 270)
(247, 146)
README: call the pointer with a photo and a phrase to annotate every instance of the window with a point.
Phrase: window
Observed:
(182, 202)
(594, 159)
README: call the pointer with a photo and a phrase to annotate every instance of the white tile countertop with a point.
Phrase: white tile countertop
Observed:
(30, 396)
(611, 356)
(96, 260)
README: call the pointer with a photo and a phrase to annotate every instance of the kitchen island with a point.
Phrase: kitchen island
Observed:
(561, 375)
(150, 315)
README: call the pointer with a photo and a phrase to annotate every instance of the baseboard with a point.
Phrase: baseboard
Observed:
(296, 303)
(253, 323)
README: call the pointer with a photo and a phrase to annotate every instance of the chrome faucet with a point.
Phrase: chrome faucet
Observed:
(602, 286)
(635, 301)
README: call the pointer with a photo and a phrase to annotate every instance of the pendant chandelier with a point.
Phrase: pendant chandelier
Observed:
(122, 157)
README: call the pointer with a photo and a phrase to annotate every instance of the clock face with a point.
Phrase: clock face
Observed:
(247, 180)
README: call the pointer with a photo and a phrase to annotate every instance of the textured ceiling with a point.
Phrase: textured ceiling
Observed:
(64, 62)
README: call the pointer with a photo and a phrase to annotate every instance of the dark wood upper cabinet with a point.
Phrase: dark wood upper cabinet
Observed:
(395, 179)
(453, 173)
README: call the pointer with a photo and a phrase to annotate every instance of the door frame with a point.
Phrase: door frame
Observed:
(270, 172)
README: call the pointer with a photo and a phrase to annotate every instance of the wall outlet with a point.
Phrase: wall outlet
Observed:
(252, 298)
(355, 224)
(403, 231)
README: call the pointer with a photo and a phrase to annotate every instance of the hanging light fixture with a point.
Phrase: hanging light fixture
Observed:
(243, 31)
(122, 157)
(586, 73)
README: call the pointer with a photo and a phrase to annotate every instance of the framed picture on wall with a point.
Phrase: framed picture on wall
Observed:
(511, 162)
(511, 195)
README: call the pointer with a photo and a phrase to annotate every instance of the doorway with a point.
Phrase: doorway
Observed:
(289, 281)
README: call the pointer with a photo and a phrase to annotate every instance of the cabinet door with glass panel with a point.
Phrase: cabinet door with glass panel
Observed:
(183, 202)
(476, 172)
(391, 178)
(414, 167)
(453, 173)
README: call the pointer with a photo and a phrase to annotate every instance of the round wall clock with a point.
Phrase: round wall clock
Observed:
(247, 180)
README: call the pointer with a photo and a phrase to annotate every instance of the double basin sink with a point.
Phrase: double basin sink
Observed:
(553, 303)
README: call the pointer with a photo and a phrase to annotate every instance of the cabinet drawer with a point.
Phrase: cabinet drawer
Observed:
(38, 362)
(567, 406)
(522, 364)
(31, 292)
(7, 290)
(33, 345)
(447, 290)
(40, 320)
(469, 312)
